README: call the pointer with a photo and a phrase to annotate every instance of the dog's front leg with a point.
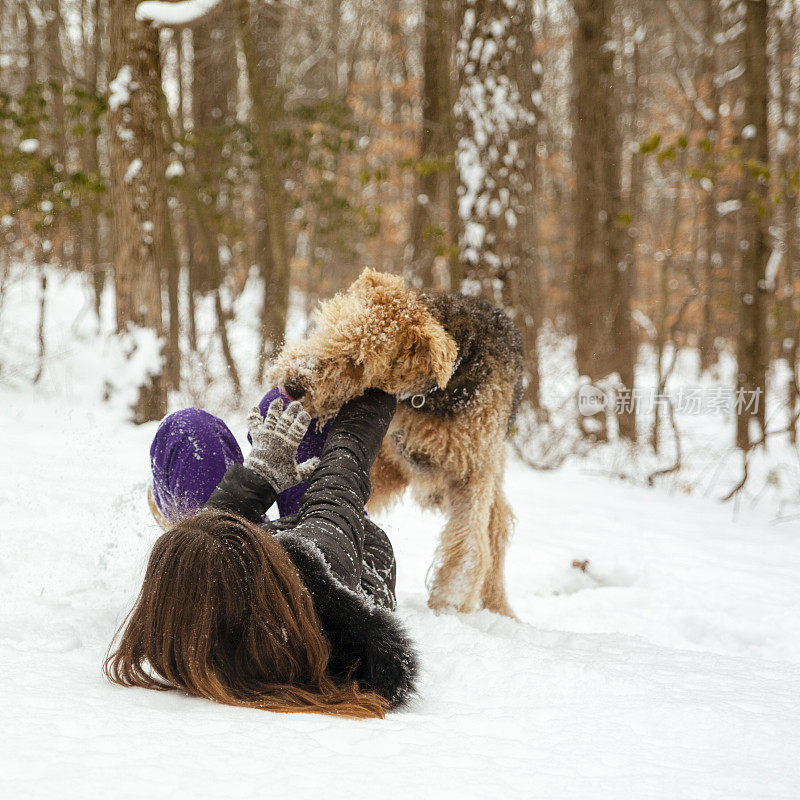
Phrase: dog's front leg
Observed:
(389, 477)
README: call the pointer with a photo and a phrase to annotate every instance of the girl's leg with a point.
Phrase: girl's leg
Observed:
(190, 453)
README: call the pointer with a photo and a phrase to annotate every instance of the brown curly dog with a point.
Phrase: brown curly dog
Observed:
(455, 364)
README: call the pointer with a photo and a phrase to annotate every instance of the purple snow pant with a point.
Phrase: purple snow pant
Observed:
(192, 449)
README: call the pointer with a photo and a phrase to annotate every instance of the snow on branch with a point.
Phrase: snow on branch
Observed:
(167, 15)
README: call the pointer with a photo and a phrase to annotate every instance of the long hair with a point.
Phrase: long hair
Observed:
(224, 614)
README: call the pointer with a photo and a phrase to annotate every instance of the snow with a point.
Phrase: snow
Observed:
(783, 141)
(668, 668)
(174, 170)
(773, 265)
(728, 206)
(28, 146)
(164, 14)
(128, 360)
(134, 168)
(119, 90)
(643, 321)
(729, 76)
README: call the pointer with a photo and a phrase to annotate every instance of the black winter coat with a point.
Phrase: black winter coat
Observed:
(344, 558)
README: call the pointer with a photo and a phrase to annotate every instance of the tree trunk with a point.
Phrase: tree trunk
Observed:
(752, 291)
(137, 156)
(708, 354)
(789, 66)
(334, 27)
(203, 222)
(213, 100)
(267, 22)
(42, 320)
(601, 281)
(173, 276)
(265, 109)
(528, 310)
(213, 86)
(70, 239)
(431, 234)
(90, 253)
(492, 119)
(56, 74)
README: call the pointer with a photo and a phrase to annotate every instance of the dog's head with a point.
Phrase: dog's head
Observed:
(376, 334)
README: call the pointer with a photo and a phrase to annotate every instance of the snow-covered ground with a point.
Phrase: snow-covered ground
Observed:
(669, 668)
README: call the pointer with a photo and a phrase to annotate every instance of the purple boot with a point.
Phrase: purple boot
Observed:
(190, 453)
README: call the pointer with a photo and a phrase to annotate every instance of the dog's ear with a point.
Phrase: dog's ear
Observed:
(440, 352)
(371, 279)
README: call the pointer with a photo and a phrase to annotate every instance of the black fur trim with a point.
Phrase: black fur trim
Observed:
(368, 643)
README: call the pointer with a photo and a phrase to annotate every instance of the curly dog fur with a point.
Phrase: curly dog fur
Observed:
(455, 363)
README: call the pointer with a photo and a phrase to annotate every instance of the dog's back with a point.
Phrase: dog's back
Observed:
(489, 352)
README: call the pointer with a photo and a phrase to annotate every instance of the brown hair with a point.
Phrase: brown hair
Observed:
(224, 614)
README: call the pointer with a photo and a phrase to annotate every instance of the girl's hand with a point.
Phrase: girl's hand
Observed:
(275, 441)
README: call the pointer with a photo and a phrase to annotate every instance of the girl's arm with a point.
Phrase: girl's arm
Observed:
(244, 492)
(249, 489)
(331, 515)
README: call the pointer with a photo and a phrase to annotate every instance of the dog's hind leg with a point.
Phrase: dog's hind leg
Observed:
(464, 552)
(501, 523)
(389, 477)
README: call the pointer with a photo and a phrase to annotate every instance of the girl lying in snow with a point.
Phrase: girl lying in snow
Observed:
(292, 615)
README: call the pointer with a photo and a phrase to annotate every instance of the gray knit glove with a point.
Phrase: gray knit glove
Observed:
(275, 441)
